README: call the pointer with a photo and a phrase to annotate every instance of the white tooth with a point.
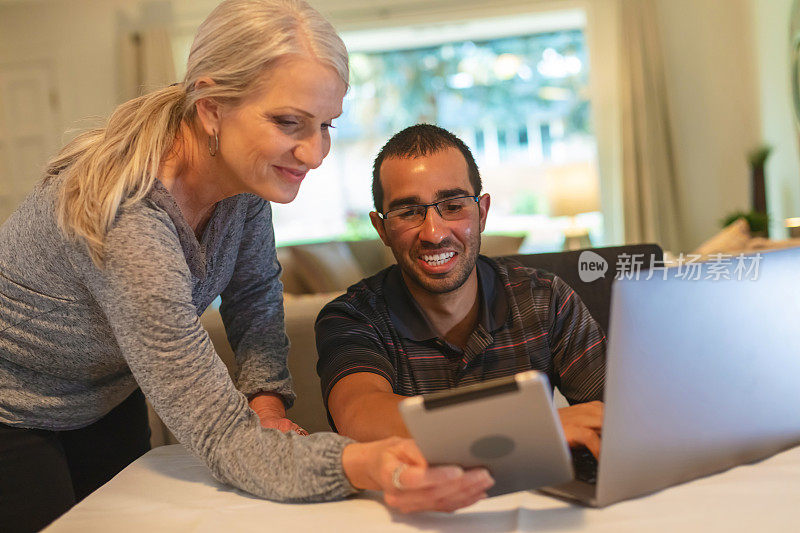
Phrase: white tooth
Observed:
(438, 259)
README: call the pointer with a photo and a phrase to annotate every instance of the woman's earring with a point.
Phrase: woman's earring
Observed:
(213, 144)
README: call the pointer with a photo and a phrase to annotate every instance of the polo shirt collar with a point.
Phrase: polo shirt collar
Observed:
(411, 322)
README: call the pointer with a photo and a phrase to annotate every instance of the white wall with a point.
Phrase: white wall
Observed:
(77, 38)
(771, 24)
(77, 42)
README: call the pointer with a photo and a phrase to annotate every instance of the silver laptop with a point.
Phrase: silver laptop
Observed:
(703, 374)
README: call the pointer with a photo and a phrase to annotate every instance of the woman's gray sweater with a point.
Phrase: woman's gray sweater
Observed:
(75, 340)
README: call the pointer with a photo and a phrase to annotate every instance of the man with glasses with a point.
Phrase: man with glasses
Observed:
(445, 316)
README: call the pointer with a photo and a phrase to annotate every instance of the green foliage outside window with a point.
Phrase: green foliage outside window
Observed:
(504, 82)
(520, 103)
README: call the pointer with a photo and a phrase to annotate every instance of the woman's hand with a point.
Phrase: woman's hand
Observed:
(282, 424)
(583, 425)
(272, 413)
(397, 467)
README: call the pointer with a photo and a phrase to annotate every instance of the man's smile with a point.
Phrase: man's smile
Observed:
(437, 259)
(437, 264)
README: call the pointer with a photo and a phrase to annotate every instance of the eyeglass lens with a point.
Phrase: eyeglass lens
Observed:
(449, 209)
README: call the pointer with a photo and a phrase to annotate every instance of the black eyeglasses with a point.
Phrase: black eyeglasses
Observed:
(411, 216)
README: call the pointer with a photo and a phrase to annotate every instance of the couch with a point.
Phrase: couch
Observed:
(311, 285)
(333, 266)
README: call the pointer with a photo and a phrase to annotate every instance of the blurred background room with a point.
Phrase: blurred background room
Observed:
(618, 121)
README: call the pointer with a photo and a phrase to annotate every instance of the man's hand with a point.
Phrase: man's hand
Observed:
(583, 424)
(281, 424)
(272, 413)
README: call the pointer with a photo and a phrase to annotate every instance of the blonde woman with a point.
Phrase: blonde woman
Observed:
(135, 229)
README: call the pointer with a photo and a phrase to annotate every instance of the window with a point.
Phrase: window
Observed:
(515, 90)
(520, 102)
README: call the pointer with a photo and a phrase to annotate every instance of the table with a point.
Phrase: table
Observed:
(168, 489)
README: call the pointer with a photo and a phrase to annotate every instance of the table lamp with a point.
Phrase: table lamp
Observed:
(573, 189)
(793, 225)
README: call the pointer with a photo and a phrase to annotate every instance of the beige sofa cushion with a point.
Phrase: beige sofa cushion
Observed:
(497, 245)
(300, 313)
(735, 236)
(735, 239)
(326, 267)
(371, 255)
(290, 277)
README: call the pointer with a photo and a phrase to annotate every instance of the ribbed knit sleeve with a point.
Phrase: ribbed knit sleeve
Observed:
(252, 310)
(145, 291)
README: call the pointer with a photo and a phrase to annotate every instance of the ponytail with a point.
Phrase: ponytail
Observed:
(108, 168)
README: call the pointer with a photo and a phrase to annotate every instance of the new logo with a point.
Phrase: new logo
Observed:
(591, 266)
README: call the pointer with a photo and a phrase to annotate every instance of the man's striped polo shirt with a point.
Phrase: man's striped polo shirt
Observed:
(528, 319)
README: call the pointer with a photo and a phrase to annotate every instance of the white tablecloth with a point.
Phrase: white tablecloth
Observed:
(170, 490)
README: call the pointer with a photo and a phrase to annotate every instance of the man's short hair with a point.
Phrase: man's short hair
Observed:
(418, 141)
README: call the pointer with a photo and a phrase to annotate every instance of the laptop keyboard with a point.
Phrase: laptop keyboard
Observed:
(585, 465)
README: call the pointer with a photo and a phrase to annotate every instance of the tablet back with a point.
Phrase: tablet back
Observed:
(508, 425)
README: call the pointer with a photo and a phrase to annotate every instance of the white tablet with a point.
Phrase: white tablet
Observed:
(508, 425)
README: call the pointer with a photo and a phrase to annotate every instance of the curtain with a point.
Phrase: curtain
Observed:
(650, 184)
(146, 62)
